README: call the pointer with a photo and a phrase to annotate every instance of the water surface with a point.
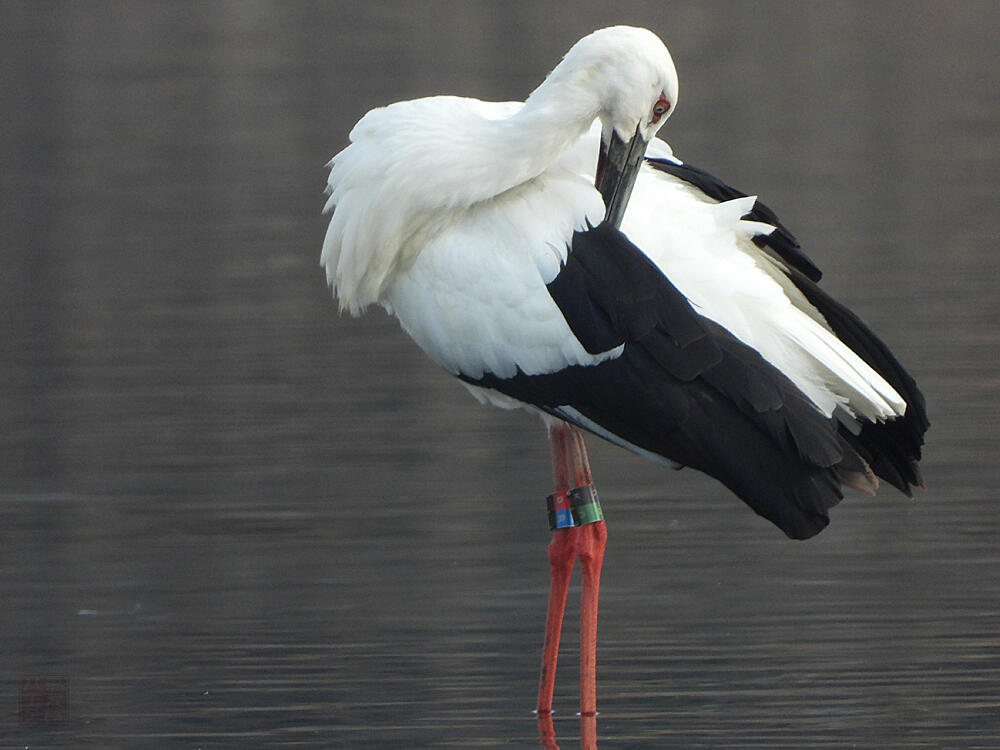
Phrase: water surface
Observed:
(231, 518)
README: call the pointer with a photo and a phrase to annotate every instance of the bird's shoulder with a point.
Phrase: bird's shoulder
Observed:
(409, 168)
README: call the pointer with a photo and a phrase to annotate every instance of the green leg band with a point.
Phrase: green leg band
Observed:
(585, 506)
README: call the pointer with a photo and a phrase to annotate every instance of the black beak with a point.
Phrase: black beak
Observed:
(617, 167)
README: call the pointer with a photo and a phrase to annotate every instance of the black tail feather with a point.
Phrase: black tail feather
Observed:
(891, 448)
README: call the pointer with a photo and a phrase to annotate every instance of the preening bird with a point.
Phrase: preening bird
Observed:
(554, 254)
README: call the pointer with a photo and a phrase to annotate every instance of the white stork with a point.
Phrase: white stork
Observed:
(694, 335)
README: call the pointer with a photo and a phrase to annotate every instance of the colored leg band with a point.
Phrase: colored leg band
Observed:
(577, 507)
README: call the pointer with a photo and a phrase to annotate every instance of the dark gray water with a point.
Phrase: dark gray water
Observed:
(230, 518)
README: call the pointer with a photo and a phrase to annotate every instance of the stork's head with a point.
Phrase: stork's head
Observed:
(633, 76)
(631, 73)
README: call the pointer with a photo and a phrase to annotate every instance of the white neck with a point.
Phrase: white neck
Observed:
(525, 144)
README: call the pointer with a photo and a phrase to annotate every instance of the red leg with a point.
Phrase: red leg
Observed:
(591, 542)
(571, 469)
(562, 554)
(576, 449)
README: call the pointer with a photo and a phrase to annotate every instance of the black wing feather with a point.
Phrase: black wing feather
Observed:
(684, 388)
(892, 448)
(611, 297)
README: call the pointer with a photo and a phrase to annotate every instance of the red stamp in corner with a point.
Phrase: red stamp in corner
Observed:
(42, 699)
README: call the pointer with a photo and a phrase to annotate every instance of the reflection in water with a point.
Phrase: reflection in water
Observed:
(547, 732)
(262, 501)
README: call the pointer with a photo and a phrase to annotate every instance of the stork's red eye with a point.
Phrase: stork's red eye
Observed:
(661, 108)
